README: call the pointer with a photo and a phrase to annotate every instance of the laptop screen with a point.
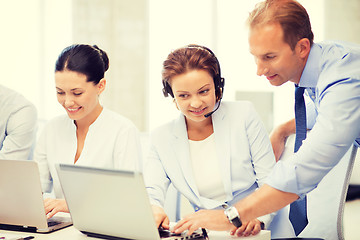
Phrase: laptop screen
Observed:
(109, 202)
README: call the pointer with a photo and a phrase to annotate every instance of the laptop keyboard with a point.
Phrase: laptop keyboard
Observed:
(53, 223)
(164, 233)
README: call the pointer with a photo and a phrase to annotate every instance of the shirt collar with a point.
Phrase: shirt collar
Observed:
(310, 74)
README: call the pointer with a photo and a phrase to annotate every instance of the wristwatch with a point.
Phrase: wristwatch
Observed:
(232, 215)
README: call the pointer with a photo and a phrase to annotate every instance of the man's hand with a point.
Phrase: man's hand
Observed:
(278, 145)
(279, 135)
(209, 219)
(249, 228)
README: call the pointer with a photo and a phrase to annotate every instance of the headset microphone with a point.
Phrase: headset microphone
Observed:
(210, 113)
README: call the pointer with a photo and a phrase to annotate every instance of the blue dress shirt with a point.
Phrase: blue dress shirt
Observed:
(332, 79)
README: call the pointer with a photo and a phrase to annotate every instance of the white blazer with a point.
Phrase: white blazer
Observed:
(243, 150)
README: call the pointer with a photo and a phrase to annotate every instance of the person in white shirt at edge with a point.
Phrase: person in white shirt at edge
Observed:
(90, 134)
(18, 118)
(213, 154)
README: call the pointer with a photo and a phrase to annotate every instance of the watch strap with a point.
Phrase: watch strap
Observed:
(236, 221)
(262, 225)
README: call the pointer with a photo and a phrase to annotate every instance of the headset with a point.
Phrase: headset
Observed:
(219, 81)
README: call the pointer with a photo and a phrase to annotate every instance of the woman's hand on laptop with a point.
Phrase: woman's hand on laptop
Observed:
(160, 217)
(53, 206)
(209, 219)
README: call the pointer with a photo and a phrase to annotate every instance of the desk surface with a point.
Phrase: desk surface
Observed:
(72, 233)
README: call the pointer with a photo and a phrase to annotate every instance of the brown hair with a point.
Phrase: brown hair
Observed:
(191, 57)
(290, 14)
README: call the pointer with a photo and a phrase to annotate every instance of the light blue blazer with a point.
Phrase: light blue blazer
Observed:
(243, 150)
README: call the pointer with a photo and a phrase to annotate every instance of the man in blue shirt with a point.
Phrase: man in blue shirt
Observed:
(281, 41)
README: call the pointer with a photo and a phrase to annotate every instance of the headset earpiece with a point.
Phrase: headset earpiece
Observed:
(167, 89)
(219, 87)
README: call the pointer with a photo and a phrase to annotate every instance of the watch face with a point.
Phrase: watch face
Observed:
(231, 213)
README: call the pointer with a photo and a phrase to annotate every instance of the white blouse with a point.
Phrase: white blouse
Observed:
(206, 169)
(112, 142)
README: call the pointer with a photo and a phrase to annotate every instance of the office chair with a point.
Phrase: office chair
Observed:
(340, 227)
(326, 203)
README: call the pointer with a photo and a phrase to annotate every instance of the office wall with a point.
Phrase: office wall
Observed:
(342, 18)
(120, 28)
(32, 35)
(20, 46)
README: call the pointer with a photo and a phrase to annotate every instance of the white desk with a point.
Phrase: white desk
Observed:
(71, 233)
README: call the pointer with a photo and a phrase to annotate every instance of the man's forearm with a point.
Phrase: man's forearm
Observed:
(263, 201)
